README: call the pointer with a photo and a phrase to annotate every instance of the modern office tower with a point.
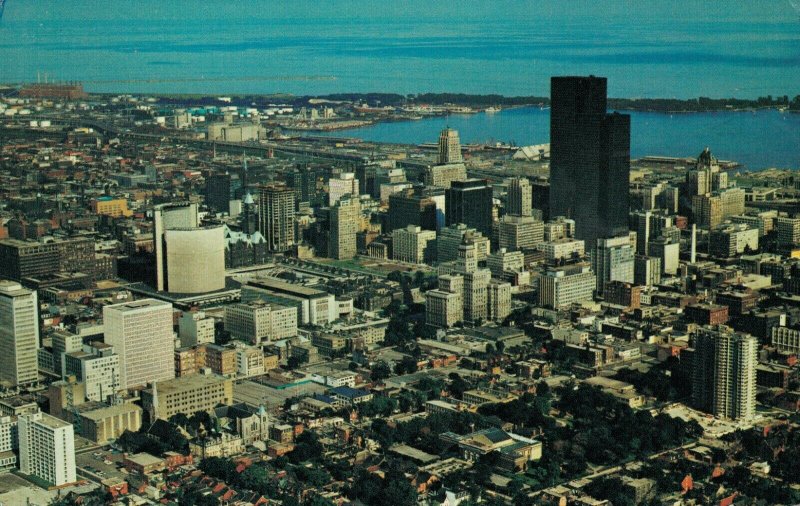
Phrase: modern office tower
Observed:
(252, 321)
(194, 328)
(276, 203)
(589, 158)
(22, 259)
(730, 240)
(170, 217)
(187, 394)
(19, 334)
(612, 260)
(345, 219)
(642, 226)
(63, 342)
(470, 202)
(519, 197)
(646, 270)
(540, 198)
(724, 372)
(97, 367)
(503, 262)
(451, 237)
(47, 448)
(141, 334)
(520, 232)
(562, 286)
(499, 300)
(449, 147)
(195, 259)
(443, 176)
(788, 230)
(305, 182)
(220, 190)
(345, 184)
(413, 245)
(667, 252)
(420, 206)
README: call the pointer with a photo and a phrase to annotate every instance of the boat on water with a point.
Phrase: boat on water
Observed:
(492, 110)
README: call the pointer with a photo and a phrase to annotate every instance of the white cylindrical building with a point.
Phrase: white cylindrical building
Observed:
(195, 259)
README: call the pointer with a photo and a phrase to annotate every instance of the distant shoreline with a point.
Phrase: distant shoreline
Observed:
(482, 102)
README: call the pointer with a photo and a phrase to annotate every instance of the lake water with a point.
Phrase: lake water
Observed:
(680, 49)
(757, 140)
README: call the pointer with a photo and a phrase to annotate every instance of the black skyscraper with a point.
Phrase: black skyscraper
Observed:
(470, 202)
(589, 158)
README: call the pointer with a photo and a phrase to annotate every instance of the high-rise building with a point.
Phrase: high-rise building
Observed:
(19, 334)
(345, 184)
(420, 206)
(519, 197)
(563, 286)
(345, 219)
(613, 260)
(667, 252)
(444, 306)
(646, 270)
(97, 367)
(276, 216)
(449, 147)
(194, 328)
(257, 321)
(47, 448)
(413, 245)
(451, 237)
(220, 190)
(141, 334)
(175, 216)
(788, 230)
(443, 176)
(470, 202)
(520, 232)
(499, 300)
(724, 372)
(589, 158)
(503, 262)
(190, 251)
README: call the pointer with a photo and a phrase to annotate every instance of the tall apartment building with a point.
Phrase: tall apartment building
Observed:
(520, 232)
(613, 260)
(470, 202)
(519, 197)
(449, 147)
(47, 448)
(97, 367)
(562, 286)
(19, 334)
(141, 334)
(413, 245)
(589, 158)
(276, 222)
(724, 372)
(338, 187)
(345, 218)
